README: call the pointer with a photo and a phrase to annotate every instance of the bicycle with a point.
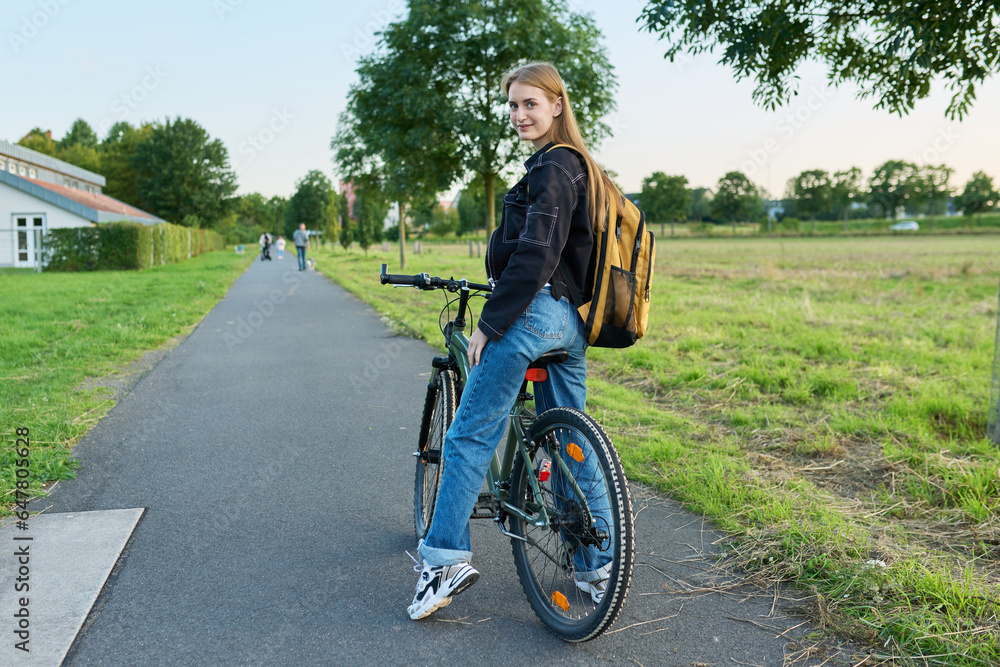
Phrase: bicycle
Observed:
(558, 490)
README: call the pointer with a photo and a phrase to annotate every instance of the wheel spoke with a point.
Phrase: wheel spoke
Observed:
(589, 536)
(439, 411)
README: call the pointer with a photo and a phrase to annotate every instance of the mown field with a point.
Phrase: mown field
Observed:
(823, 400)
(60, 331)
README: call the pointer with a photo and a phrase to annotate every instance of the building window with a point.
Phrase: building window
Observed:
(3, 164)
(66, 182)
(23, 170)
(12, 168)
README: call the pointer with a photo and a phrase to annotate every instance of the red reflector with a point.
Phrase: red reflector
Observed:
(536, 375)
(544, 471)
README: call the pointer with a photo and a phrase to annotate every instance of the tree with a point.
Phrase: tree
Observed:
(182, 172)
(79, 134)
(79, 147)
(929, 189)
(345, 225)
(348, 227)
(893, 49)
(254, 215)
(813, 191)
(444, 221)
(422, 212)
(39, 140)
(370, 208)
(117, 151)
(737, 199)
(979, 195)
(331, 228)
(701, 204)
(459, 52)
(665, 198)
(472, 204)
(310, 203)
(275, 212)
(394, 137)
(889, 187)
(846, 189)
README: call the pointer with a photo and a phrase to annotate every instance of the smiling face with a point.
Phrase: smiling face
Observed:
(531, 112)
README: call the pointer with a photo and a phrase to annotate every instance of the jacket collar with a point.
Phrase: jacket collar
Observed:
(530, 162)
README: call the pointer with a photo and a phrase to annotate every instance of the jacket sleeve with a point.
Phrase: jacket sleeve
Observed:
(552, 196)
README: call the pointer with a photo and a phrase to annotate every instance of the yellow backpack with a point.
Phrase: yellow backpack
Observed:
(618, 312)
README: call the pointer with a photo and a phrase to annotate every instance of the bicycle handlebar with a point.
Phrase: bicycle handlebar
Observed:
(425, 282)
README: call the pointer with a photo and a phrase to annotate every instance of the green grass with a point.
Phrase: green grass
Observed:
(57, 330)
(825, 401)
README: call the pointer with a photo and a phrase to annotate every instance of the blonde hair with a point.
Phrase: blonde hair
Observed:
(602, 193)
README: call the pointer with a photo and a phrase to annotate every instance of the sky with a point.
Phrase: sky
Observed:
(271, 79)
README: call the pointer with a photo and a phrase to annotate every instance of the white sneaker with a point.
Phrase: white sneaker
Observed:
(597, 589)
(596, 583)
(437, 585)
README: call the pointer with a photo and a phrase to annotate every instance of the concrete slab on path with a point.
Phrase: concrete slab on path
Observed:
(50, 574)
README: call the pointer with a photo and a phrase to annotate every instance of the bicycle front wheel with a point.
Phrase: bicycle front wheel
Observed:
(576, 571)
(439, 411)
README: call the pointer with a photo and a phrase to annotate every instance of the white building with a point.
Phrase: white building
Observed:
(39, 193)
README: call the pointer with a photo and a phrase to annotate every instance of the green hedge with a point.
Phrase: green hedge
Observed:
(117, 246)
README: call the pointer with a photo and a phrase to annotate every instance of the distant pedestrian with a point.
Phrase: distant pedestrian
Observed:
(301, 239)
(280, 245)
(265, 246)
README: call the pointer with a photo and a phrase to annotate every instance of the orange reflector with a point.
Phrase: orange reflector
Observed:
(560, 601)
(536, 375)
(575, 452)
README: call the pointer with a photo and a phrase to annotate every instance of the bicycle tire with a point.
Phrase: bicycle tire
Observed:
(439, 411)
(549, 560)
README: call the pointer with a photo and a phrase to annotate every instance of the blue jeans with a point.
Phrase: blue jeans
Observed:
(302, 257)
(481, 418)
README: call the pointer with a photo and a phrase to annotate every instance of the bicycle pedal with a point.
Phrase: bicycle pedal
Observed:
(486, 507)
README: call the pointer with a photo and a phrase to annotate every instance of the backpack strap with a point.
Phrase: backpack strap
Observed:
(572, 293)
(563, 146)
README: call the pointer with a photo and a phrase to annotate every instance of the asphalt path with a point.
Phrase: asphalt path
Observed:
(272, 450)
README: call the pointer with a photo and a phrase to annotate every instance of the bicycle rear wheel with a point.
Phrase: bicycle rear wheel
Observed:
(439, 411)
(558, 565)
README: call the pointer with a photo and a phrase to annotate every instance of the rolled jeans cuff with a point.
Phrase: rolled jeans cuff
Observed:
(596, 575)
(442, 557)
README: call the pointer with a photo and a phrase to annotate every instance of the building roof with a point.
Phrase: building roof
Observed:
(48, 162)
(89, 205)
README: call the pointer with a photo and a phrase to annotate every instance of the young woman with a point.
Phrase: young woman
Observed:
(549, 219)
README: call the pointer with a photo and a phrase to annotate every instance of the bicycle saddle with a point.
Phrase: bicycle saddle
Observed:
(551, 357)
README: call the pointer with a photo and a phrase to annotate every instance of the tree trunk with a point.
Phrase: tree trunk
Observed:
(402, 237)
(488, 195)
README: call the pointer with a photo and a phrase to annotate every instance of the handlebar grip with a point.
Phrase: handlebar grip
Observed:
(394, 279)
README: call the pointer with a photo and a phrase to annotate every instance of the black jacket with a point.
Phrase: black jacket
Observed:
(545, 219)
